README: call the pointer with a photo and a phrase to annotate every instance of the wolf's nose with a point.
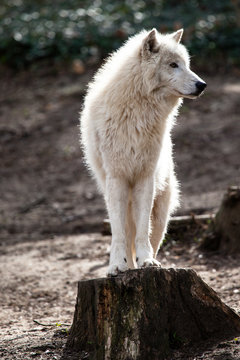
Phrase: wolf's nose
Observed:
(200, 85)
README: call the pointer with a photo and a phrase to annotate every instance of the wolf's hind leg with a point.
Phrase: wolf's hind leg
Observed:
(130, 236)
(142, 194)
(164, 203)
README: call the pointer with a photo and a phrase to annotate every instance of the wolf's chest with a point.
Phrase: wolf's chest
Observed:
(132, 149)
(133, 136)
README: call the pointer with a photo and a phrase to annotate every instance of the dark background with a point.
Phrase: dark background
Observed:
(61, 30)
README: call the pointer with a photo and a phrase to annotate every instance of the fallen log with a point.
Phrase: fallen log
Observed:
(146, 314)
(176, 223)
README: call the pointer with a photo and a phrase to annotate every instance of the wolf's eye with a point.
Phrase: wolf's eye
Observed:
(174, 65)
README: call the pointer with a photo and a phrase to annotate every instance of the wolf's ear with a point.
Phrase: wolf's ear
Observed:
(150, 44)
(177, 35)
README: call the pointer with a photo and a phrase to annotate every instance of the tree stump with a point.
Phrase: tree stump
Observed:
(146, 314)
(224, 231)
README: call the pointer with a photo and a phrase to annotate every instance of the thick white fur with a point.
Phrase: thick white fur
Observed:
(126, 122)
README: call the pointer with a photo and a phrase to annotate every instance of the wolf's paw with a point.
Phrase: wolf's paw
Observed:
(142, 263)
(144, 257)
(115, 269)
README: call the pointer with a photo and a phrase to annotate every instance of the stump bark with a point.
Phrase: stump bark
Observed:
(146, 314)
(224, 232)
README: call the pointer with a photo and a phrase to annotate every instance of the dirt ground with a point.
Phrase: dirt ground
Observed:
(51, 213)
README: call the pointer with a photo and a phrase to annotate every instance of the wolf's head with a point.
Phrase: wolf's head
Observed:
(166, 66)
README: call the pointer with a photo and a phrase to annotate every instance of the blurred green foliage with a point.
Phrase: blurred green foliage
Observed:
(67, 29)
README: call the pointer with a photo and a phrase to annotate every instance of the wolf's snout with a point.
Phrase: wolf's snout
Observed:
(200, 86)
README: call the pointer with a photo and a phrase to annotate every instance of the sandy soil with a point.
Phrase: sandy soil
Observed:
(39, 283)
(51, 213)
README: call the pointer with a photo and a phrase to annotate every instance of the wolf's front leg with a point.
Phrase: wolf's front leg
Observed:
(143, 194)
(117, 199)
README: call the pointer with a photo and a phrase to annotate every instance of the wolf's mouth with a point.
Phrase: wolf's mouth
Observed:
(192, 95)
(196, 95)
(188, 96)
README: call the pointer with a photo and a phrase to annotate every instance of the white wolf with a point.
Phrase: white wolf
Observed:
(126, 122)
